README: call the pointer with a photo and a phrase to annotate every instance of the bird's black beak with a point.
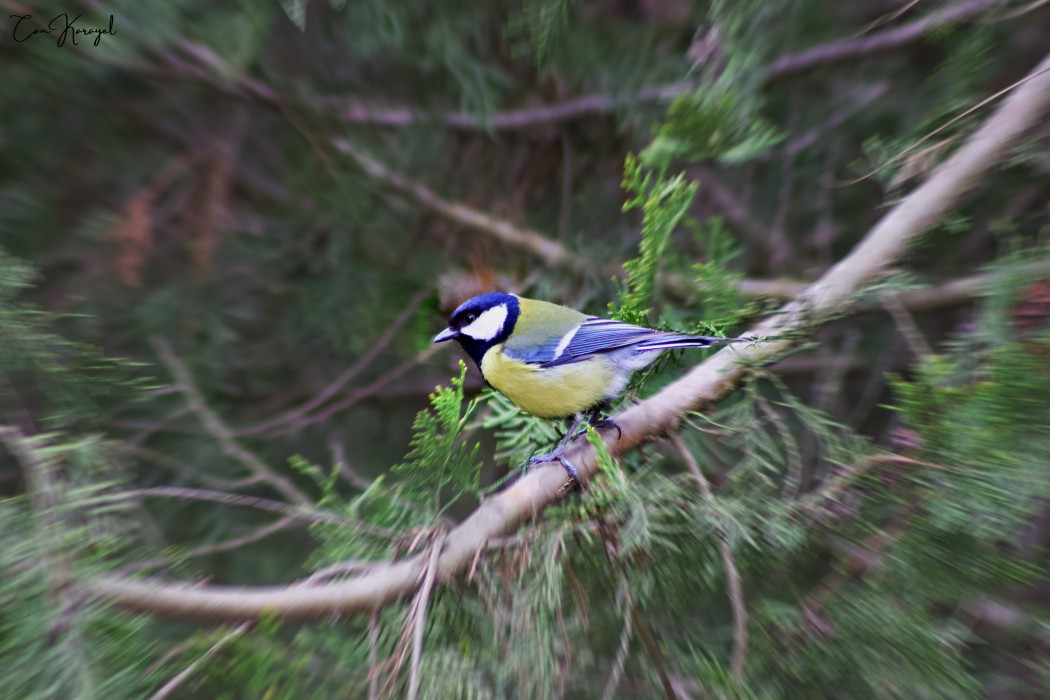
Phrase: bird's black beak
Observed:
(447, 334)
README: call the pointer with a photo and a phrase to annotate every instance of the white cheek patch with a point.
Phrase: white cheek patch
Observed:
(488, 325)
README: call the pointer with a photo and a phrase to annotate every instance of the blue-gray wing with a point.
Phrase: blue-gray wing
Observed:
(593, 336)
(599, 335)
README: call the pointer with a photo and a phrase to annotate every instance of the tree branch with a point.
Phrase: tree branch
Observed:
(223, 435)
(535, 242)
(514, 119)
(856, 47)
(878, 42)
(658, 415)
(734, 587)
(374, 350)
(173, 685)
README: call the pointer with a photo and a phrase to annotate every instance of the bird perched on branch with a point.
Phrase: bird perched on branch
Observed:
(555, 362)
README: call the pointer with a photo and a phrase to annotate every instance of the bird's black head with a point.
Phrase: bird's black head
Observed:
(481, 322)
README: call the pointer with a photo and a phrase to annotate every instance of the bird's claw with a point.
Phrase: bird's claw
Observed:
(609, 423)
(574, 479)
(598, 425)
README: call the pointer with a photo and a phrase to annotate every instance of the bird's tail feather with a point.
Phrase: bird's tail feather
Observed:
(688, 341)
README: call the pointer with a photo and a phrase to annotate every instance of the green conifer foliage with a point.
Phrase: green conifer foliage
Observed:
(228, 233)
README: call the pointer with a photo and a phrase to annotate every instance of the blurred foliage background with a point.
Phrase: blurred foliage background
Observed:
(228, 231)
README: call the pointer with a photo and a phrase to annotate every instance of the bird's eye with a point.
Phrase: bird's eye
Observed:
(470, 318)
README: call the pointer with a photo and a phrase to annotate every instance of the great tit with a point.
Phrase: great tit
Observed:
(553, 361)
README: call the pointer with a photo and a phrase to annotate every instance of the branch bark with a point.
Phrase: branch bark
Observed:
(878, 42)
(658, 415)
(549, 251)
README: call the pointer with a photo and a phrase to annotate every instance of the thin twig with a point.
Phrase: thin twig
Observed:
(215, 427)
(373, 655)
(551, 252)
(856, 104)
(528, 117)
(878, 42)
(338, 450)
(362, 393)
(734, 586)
(233, 635)
(209, 68)
(185, 468)
(224, 546)
(793, 476)
(906, 325)
(886, 18)
(837, 485)
(302, 513)
(652, 649)
(374, 350)
(339, 570)
(1021, 11)
(729, 205)
(623, 604)
(942, 127)
(420, 615)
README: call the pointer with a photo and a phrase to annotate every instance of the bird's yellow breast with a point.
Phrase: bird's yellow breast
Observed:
(552, 392)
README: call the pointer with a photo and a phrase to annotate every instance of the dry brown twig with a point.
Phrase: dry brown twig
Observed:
(658, 415)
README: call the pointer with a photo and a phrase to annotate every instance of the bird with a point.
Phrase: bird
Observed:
(555, 362)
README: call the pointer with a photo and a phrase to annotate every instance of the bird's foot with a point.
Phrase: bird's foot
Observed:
(608, 423)
(558, 455)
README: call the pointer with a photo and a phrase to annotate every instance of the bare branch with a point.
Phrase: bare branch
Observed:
(362, 393)
(907, 326)
(659, 415)
(950, 293)
(420, 615)
(215, 427)
(624, 647)
(224, 546)
(230, 637)
(734, 587)
(551, 252)
(527, 117)
(374, 350)
(302, 513)
(879, 42)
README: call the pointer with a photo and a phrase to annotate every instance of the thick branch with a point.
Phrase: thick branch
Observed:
(950, 293)
(503, 513)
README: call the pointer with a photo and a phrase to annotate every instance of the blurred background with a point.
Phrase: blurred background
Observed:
(229, 230)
